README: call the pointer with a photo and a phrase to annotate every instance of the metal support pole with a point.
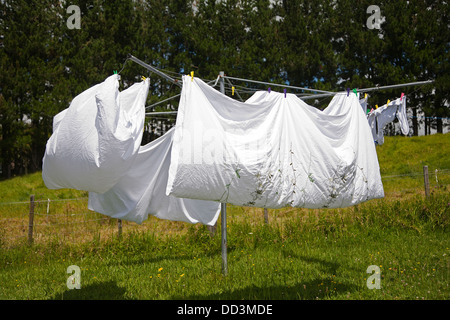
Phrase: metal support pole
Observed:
(223, 206)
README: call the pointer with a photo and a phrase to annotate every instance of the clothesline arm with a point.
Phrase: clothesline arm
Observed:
(162, 101)
(279, 85)
(153, 69)
(173, 97)
(323, 93)
(393, 86)
(237, 93)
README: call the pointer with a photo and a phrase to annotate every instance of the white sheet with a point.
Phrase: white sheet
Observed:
(272, 151)
(141, 191)
(95, 140)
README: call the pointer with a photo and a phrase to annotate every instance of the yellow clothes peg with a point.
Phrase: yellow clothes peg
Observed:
(232, 91)
(365, 96)
(387, 104)
(376, 106)
(143, 78)
(192, 75)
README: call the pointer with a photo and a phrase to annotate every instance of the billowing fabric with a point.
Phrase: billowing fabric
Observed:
(95, 140)
(272, 151)
(141, 191)
(385, 114)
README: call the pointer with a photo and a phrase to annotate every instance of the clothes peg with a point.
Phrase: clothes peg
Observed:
(192, 75)
(401, 97)
(348, 91)
(232, 91)
(269, 89)
(285, 93)
(387, 104)
(365, 96)
(376, 106)
(115, 71)
(143, 78)
(356, 93)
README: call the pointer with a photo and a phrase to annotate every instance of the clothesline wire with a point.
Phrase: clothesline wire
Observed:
(232, 87)
(411, 174)
(162, 101)
(177, 95)
(154, 70)
(177, 82)
(393, 86)
(164, 75)
(278, 85)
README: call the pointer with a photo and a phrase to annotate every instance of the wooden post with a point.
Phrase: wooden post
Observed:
(426, 181)
(266, 216)
(30, 220)
(212, 229)
(119, 223)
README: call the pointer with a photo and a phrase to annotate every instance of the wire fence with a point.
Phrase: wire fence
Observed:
(59, 220)
(69, 220)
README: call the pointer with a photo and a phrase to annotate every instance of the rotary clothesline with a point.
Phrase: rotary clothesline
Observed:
(221, 77)
(95, 146)
(303, 96)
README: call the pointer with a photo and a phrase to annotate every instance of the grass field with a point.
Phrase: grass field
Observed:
(299, 254)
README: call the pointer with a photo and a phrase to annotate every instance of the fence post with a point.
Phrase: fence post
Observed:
(266, 216)
(426, 181)
(30, 220)
(212, 229)
(119, 223)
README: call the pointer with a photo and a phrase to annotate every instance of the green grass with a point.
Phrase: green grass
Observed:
(300, 254)
(406, 156)
(320, 258)
(20, 188)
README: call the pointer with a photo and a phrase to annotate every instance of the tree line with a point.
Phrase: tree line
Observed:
(320, 44)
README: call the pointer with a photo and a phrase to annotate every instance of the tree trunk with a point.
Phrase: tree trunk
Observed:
(439, 126)
(415, 122)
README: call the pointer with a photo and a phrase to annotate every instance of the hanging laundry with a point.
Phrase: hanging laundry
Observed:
(96, 139)
(272, 151)
(363, 103)
(140, 191)
(385, 114)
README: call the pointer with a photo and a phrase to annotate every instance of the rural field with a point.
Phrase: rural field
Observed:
(299, 254)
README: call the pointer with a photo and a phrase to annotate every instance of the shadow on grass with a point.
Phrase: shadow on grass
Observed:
(99, 291)
(316, 289)
(324, 287)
